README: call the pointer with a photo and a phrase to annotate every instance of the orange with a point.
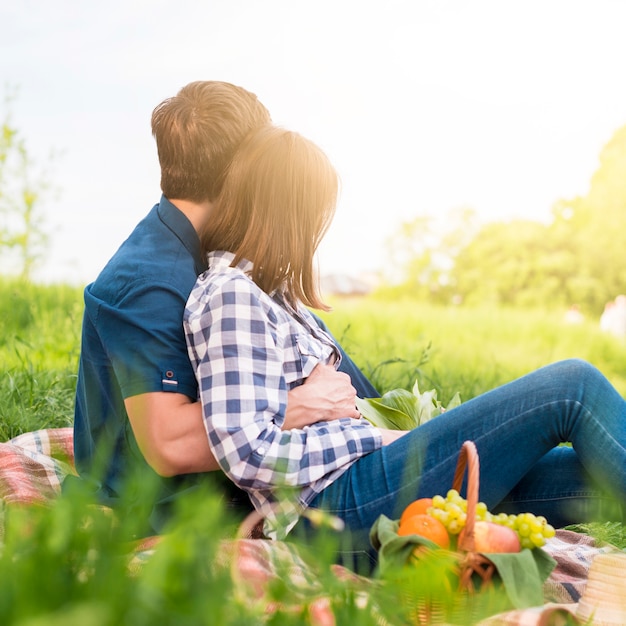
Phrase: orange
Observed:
(425, 526)
(416, 508)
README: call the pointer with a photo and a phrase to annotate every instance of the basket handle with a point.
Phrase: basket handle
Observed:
(251, 527)
(468, 457)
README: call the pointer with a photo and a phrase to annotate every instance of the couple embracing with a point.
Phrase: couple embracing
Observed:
(201, 359)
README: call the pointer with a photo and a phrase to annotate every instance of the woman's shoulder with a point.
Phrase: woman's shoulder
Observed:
(223, 284)
(215, 282)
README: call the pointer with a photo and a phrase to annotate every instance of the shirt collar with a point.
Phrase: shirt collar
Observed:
(220, 259)
(178, 223)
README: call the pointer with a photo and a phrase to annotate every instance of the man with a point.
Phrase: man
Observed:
(136, 408)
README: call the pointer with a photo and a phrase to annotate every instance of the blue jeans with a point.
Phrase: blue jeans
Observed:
(517, 429)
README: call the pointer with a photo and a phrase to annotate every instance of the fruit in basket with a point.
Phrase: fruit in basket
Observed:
(426, 526)
(451, 509)
(415, 508)
(533, 530)
(492, 537)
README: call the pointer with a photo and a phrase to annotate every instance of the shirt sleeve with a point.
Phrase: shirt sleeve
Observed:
(235, 340)
(144, 340)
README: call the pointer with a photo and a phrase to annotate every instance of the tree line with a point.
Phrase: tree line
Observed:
(578, 257)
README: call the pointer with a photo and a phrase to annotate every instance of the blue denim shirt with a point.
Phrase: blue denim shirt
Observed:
(132, 338)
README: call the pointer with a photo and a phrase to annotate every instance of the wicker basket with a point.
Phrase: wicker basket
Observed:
(473, 593)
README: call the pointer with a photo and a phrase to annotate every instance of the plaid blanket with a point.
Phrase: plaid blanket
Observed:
(33, 466)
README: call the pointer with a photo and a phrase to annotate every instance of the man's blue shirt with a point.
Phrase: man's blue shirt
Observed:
(133, 340)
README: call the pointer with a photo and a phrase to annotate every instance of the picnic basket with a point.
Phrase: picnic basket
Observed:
(458, 585)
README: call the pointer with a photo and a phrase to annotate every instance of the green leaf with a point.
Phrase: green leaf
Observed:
(402, 400)
(521, 576)
(383, 416)
(400, 409)
(454, 402)
(428, 404)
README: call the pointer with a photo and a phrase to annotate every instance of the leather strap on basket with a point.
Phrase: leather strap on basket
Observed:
(468, 457)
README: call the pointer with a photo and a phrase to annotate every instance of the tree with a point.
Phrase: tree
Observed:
(424, 250)
(596, 223)
(576, 259)
(22, 187)
(515, 263)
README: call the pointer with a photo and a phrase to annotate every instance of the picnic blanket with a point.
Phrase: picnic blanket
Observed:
(34, 465)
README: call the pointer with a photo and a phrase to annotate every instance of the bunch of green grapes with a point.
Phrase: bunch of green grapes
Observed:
(533, 530)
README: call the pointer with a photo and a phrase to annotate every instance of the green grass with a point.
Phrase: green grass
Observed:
(470, 350)
(66, 564)
(39, 346)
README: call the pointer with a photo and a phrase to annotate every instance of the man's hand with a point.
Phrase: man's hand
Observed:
(325, 395)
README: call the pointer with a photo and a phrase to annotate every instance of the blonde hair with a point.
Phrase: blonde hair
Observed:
(276, 204)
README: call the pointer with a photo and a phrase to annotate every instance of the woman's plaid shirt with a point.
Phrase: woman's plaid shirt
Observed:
(249, 349)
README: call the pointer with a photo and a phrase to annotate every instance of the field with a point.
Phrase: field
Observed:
(470, 350)
(449, 349)
(74, 558)
(39, 345)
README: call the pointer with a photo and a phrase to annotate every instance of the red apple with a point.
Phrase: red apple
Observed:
(491, 537)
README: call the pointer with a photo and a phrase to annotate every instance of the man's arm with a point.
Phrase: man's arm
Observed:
(170, 432)
(389, 436)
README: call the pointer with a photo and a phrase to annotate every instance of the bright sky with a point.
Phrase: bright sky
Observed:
(422, 105)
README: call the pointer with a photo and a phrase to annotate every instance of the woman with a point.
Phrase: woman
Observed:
(251, 340)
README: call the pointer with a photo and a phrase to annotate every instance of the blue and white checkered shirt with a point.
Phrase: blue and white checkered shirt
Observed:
(249, 349)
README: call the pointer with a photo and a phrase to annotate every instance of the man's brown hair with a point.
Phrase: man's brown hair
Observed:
(277, 201)
(197, 131)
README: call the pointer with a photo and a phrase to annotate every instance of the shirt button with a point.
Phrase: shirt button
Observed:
(261, 450)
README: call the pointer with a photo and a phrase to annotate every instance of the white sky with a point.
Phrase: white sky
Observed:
(422, 105)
